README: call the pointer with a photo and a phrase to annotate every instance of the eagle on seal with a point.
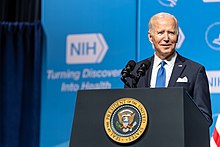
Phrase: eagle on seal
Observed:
(126, 118)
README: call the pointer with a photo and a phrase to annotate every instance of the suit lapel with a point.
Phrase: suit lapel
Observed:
(178, 68)
(149, 71)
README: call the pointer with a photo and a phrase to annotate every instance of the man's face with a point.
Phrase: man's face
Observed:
(164, 36)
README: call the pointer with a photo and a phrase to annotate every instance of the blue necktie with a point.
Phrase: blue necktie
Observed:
(161, 75)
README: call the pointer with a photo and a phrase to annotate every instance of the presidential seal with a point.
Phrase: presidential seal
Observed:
(125, 120)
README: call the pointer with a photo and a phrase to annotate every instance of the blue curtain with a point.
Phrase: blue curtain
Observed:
(20, 79)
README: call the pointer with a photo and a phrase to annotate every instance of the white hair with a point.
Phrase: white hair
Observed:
(162, 14)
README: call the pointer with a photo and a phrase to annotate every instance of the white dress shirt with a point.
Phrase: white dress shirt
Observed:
(168, 66)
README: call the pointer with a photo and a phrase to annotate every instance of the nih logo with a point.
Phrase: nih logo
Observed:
(85, 48)
(214, 81)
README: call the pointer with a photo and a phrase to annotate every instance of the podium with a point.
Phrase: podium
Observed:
(174, 120)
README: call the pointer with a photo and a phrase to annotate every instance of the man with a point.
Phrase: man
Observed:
(177, 70)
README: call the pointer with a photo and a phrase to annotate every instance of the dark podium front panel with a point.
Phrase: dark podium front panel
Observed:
(173, 118)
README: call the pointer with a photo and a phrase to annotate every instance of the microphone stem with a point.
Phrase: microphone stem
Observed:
(136, 80)
(125, 81)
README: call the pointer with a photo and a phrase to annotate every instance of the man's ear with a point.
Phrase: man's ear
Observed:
(177, 38)
(150, 37)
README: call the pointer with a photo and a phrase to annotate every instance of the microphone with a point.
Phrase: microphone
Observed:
(128, 69)
(143, 68)
(141, 72)
(126, 72)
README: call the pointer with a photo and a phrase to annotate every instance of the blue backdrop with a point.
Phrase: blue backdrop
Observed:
(88, 42)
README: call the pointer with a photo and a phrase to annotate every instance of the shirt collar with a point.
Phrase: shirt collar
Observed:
(169, 62)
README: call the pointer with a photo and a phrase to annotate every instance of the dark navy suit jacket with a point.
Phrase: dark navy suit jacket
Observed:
(197, 85)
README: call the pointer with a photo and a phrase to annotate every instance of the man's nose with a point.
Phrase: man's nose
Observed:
(166, 37)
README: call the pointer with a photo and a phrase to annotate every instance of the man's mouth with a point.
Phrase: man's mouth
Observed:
(166, 44)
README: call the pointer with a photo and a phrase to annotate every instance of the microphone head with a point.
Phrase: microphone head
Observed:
(130, 65)
(143, 68)
(128, 69)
